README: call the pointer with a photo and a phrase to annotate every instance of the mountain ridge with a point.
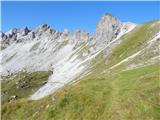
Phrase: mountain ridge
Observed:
(15, 33)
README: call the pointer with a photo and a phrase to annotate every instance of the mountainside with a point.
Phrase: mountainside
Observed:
(113, 74)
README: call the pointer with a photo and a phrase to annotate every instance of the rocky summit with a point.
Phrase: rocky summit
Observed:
(113, 74)
(107, 29)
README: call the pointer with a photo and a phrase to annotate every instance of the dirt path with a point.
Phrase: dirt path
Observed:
(116, 113)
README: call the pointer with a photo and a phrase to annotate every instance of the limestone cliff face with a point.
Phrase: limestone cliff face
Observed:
(24, 35)
(107, 29)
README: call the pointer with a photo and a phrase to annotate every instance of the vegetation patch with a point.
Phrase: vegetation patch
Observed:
(22, 84)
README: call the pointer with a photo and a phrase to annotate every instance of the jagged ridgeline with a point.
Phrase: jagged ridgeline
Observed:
(112, 75)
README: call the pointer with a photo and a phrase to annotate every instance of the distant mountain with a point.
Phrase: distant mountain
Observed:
(120, 62)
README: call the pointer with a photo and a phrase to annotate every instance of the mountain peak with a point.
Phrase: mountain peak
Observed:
(42, 28)
(107, 29)
(108, 14)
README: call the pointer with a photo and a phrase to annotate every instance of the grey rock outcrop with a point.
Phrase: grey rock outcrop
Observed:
(80, 36)
(41, 29)
(107, 29)
(4, 41)
(23, 32)
(14, 35)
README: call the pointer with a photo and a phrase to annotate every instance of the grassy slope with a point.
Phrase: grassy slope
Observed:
(130, 95)
(28, 84)
(133, 42)
(109, 95)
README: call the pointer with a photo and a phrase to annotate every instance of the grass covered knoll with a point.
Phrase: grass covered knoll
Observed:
(127, 95)
(134, 41)
(22, 84)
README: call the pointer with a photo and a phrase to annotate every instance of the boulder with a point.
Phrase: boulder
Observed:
(14, 97)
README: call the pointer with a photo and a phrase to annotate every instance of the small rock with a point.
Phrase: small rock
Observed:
(44, 82)
(17, 82)
(3, 93)
(14, 97)
(53, 98)
(47, 106)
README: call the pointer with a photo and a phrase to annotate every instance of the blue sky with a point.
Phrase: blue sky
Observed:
(73, 15)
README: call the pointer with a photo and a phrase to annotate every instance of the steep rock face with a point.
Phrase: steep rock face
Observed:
(13, 36)
(33, 47)
(107, 29)
(24, 35)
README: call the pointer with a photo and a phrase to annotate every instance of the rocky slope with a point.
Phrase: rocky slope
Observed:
(119, 57)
